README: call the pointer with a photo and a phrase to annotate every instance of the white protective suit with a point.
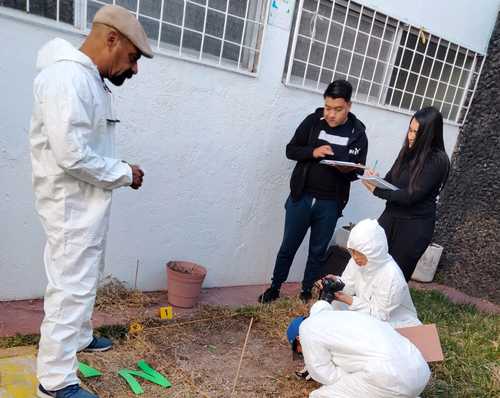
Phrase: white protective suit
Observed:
(378, 288)
(74, 171)
(357, 356)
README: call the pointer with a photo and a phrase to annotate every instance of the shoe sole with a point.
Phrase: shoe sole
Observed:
(97, 349)
(298, 377)
(261, 301)
(41, 394)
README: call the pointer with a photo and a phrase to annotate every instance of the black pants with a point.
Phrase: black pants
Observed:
(318, 215)
(407, 238)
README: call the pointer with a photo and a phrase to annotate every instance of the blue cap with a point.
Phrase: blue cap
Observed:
(293, 329)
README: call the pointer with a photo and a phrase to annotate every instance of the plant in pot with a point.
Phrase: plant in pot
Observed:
(184, 281)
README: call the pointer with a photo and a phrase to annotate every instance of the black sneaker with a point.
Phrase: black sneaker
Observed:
(303, 374)
(305, 296)
(269, 295)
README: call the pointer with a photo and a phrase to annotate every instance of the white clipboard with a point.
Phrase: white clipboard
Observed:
(341, 163)
(379, 182)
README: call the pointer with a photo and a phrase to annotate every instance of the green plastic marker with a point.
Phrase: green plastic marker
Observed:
(146, 373)
(88, 371)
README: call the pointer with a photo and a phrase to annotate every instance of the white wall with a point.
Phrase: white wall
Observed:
(212, 145)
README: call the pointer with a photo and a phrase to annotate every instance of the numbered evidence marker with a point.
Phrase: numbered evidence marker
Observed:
(166, 312)
(147, 373)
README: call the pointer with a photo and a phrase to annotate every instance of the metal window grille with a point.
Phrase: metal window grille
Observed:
(389, 63)
(223, 33)
(58, 10)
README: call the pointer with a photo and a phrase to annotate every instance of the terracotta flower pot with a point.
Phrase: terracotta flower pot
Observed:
(184, 280)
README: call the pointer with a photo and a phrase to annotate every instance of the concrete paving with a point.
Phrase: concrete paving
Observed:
(18, 372)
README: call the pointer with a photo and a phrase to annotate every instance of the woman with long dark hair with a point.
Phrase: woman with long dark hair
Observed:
(420, 171)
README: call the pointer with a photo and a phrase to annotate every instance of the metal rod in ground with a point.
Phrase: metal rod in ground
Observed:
(241, 357)
(136, 273)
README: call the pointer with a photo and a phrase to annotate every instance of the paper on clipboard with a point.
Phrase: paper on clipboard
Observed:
(379, 182)
(341, 163)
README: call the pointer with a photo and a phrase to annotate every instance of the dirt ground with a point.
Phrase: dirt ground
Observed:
(200, 358)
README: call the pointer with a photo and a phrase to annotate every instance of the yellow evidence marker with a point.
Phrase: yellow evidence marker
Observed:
(166, 312)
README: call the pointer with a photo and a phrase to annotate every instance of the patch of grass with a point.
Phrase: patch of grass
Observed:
(19, 340)
(114, 295)
(470, 341)
(116, 332)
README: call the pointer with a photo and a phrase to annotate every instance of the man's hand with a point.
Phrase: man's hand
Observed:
(322, 151)
(137, 176)
(343, 297)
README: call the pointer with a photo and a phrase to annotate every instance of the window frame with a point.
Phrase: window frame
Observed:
(254, 53)
(461, 104)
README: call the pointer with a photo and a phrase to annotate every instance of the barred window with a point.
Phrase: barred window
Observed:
(388, 62)
(58, 10)
(223, 33)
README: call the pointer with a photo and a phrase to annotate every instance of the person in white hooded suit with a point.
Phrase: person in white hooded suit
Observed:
(374, 283)
(75, 170)
(354, 355)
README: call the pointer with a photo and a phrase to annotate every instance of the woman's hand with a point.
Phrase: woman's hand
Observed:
(369, 173)
(319, 284)
(368, 185)
(343, 297)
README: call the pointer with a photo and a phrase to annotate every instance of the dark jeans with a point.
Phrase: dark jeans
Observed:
(407, 239)
(321, 216)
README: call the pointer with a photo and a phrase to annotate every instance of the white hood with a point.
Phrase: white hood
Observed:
(378, 288)
(61, 50)
(368, 237)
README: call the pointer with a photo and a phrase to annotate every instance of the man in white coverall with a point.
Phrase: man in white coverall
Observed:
(355, 355)
(74, 172)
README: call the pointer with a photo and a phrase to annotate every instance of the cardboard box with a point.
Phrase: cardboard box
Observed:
(426, 339)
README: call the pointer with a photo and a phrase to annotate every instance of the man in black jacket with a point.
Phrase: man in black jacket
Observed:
(319, 192)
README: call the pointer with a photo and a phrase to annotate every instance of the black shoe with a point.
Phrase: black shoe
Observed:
(303, 374)
(305, 296)
(269, 295)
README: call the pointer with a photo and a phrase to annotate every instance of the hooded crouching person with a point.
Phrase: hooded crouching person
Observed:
(75, 170)
(354, 355)
(374, 283)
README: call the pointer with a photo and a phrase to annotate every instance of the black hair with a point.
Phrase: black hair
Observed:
(339, 89)
(428, 146)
